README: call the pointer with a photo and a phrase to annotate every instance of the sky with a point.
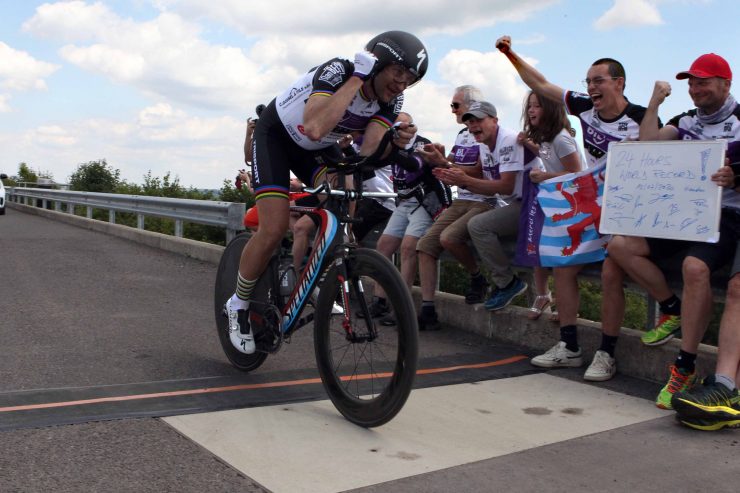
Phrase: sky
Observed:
(167, 85)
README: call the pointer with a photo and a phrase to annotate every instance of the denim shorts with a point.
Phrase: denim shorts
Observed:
(409, 219)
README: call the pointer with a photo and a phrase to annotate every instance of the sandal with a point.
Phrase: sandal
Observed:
(540, 304)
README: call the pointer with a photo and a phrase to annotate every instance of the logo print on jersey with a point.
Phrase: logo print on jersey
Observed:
(728, 127)
(293, 93)
(505, 154)
(597, 137)
(622, 127)
(302, 129)
(332, 74)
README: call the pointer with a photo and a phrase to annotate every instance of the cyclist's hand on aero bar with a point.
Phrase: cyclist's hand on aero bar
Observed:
(364, 64)
(403, 134)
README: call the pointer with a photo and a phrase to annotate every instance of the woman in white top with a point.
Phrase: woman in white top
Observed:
(547, 132)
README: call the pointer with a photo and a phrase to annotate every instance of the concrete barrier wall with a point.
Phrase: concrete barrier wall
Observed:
(509, 326)
(191, 248)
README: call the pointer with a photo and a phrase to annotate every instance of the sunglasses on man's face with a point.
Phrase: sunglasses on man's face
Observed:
(455, 106)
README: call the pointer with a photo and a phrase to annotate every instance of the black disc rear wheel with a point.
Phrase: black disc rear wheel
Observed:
(226, 276)
(369, 374)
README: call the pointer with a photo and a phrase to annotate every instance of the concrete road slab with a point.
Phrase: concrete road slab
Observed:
(309, 447)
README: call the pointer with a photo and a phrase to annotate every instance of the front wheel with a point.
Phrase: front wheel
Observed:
(367, 368)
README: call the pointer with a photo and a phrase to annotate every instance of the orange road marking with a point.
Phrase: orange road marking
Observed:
(253, 386)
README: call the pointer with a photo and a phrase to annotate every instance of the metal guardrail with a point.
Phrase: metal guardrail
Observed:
(228, 215)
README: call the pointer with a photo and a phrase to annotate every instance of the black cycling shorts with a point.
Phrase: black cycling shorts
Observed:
(372, 214)
(275, 155)
(714, 255)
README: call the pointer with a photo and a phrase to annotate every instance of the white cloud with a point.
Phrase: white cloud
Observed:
(340, 17)
(19, 71)
(169, 59)
(52, 136)
(4, 106)
(165, 57)
(160, 138)
(629, 13)
(492, 73)
(68, 21)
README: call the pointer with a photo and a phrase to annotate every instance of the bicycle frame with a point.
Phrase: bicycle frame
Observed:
(329, 238)
(326, 241)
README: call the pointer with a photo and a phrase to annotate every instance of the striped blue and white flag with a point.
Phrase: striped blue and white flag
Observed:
(572, 209)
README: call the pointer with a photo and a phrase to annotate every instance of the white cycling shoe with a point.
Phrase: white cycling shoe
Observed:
(242, 340)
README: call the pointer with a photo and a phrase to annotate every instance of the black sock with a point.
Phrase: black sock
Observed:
(609, 344)
(686, 361)
(671, 306)
(427, 309)
(569, 335)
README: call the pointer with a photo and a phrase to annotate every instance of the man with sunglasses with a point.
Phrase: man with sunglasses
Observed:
(297, 128)
(606, 116)
(450, 230)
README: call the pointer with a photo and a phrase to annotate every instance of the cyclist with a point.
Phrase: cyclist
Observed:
(330, 101)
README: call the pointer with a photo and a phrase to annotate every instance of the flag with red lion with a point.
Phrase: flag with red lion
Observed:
(560, 227)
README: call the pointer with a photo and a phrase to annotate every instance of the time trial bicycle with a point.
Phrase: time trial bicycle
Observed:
(366, 368)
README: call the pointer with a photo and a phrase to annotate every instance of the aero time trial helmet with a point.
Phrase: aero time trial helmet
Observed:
(401, 48)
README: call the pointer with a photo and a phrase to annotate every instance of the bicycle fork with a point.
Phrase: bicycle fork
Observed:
(348, 290)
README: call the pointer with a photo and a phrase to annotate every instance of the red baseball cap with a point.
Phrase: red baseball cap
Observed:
(706, 66)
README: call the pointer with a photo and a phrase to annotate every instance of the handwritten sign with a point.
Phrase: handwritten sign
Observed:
(663, 190)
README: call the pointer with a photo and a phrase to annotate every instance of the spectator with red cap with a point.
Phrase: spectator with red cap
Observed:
(716, 116)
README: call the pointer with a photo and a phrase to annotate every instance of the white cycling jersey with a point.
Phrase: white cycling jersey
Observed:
(324, 80)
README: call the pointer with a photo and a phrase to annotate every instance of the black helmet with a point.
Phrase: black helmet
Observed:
(402, 48)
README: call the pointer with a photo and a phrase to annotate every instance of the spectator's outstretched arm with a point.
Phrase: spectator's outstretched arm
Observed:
(650, 126)
(530, 76)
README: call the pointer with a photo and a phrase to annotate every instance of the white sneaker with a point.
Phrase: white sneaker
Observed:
(602, 368)
(558, 356)
(242, 340)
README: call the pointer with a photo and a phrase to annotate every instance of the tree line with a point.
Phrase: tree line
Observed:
(99, 176)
